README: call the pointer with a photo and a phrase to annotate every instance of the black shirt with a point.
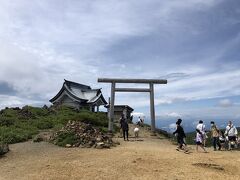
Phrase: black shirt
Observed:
(180, 132)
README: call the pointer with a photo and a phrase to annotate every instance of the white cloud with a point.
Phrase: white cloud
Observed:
(173, 115)
(13, 101)
(225, 103)
(172, 127)
(43, 42)
(138, 114)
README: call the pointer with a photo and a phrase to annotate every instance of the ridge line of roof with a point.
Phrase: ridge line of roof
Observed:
(76, 84)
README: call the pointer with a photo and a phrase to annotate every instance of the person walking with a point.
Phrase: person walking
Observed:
(199, 140)
(180, 136)
(139, 121)
(231, 133)
(215, 132)
(202, 129)
(125, 129)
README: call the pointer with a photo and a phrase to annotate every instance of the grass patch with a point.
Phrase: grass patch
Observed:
(18, 125)
(66, 138)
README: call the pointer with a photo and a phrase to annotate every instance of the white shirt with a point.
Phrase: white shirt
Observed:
(201, 128)
(231, 131)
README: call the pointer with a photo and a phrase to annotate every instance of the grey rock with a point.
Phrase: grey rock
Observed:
(4, 148)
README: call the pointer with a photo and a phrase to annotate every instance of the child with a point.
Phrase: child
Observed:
(199, 140)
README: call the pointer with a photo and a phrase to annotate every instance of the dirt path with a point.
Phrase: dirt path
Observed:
(150, 159)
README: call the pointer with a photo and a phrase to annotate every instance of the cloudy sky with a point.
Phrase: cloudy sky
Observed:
(194, 44)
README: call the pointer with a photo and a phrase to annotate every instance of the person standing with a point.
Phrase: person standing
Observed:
(231, 133)
(139, 121)
(121, 121)
(215, 132)
(125, 129)
(180, 136)
(201, 128)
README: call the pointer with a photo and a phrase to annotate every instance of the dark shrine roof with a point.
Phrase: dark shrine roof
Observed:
(80, 92)
(74, 84)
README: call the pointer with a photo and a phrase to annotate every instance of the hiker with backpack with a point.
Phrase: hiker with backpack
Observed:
(215, 132)
(231, 134)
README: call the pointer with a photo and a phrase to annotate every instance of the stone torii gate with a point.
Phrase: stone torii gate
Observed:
(113, 82)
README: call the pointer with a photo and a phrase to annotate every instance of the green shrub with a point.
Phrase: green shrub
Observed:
(44, 124)
(96, 119)
(58, 127)
(16, 134)
(36, 111)
(9, 113)
(103, 129)
(66, 138)
(6, 121)
(21, 125)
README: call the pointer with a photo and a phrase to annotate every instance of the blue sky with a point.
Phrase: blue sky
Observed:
(192, 43)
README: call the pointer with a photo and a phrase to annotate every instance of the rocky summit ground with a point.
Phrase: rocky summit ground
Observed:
(149, 157)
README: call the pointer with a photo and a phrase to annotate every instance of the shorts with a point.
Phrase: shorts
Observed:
(232, 138)
(180, 140)
(199, 143)
(222, 141)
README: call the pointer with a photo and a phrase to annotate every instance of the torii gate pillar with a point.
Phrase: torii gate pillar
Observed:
(152, 107)
(151, 83)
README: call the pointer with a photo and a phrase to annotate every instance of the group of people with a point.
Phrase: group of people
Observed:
(227, 140)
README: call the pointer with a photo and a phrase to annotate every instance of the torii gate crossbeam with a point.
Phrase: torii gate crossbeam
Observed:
(151, 83)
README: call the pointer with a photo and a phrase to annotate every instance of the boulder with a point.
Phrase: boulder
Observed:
(100, 145)
(43, 136)
(68, 145)
(37, 138)
(4, 148)
(107, 146)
